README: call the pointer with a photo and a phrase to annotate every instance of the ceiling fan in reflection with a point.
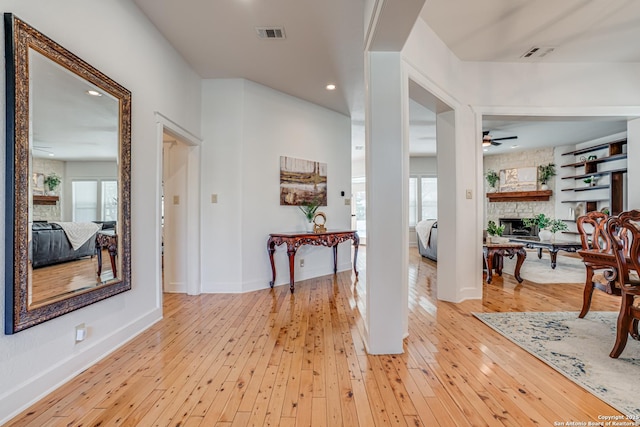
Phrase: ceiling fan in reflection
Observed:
(43, 149)
(488, 140)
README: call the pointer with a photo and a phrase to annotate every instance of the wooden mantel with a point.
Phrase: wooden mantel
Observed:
(520, 196)
(45, 200)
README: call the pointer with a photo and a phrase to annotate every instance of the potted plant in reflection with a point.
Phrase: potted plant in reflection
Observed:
(309, 210)
(492, 178)
(52, 182)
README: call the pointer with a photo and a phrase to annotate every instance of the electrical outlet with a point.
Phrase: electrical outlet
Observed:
(347, 201)
(469, 194)
(214, 198)
(301, 262)
(81, 332)
(176, 200)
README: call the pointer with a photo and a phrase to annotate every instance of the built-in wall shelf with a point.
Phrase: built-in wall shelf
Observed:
(615, 147)
(45, 200)
(520, 196)
(592, 187)
(601, 173)
(613, 179)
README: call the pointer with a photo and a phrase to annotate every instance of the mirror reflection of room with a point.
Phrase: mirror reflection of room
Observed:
(74, 183)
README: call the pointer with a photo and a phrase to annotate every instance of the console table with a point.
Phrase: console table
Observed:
(294, 240)
(552, 245)
(107, 239)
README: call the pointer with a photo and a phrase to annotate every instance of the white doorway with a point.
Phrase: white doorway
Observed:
(178, 209)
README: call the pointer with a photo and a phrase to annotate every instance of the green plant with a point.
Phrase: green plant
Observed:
(494, 230)
(309, 209)
(541, 221)
(52, 181)
(556, 225)
(545, 172)
(492, 177)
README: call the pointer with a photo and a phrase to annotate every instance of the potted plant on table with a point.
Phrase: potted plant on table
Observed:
(547, 227)
(492, 178)
(556, 225)
(545, 172)
(309, 210)
(495, 233)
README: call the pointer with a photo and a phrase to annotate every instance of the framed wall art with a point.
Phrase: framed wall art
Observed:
(302, 182)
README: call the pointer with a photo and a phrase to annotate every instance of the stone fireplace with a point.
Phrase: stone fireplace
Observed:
(515, 227)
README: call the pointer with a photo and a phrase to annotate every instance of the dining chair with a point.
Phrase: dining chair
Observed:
(626, 226)
(594, 236)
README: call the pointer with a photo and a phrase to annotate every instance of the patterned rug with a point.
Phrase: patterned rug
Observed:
(568, 269)
(578, 349)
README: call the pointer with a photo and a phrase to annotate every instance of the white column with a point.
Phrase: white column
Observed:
(387, 161)
(460, 201)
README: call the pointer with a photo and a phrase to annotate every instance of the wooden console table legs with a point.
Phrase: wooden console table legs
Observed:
(294, 241)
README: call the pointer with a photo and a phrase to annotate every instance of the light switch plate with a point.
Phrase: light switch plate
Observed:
(214, 198)
(469, 194)
(347, 201)
(176, 200)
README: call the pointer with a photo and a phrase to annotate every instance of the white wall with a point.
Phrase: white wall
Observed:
(175, 217)
(246, 128)
(124, 45)
(423, 166)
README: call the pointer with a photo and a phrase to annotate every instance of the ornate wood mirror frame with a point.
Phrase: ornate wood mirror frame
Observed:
(24, 46)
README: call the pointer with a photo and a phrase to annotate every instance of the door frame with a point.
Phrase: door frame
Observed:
(166, 126)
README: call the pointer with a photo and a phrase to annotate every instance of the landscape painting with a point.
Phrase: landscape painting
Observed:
(302, 182)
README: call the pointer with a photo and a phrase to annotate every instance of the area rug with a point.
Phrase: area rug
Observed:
(568, 269)
(579, 350)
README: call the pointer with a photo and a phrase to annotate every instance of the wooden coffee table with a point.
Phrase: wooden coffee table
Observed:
(552, 245)
(493, 253)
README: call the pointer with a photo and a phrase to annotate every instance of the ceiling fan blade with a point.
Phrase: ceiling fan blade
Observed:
(485, 132)
(493, 142)
(504, 138)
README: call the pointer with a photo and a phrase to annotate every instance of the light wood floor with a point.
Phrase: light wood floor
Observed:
(58, 281)
(268, 358)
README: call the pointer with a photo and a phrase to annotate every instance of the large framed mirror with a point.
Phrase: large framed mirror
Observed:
(68, 163)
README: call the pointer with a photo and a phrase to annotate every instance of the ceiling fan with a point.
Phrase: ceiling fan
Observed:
(488, 140)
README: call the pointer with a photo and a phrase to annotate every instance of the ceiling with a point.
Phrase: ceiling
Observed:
(81, 126)
(324, 44)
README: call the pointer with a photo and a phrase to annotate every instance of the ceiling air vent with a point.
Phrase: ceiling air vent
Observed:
(275, 33)
(537, 52)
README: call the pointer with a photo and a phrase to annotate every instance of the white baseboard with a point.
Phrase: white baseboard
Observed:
(21, 397)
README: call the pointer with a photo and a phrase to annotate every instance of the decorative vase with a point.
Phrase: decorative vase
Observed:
(308, 226)
(545, 235)
(544, 187)
(492, 189)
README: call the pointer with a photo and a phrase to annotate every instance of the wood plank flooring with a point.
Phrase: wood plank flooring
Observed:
(269, 358)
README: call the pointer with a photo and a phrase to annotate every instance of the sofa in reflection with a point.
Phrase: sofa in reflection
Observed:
(427, 235)
(50, 245)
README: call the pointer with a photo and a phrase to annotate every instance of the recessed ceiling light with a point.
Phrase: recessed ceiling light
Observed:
(485, 149)
(513, 146)
(331, 87)
(51, 154)
(93, 93)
